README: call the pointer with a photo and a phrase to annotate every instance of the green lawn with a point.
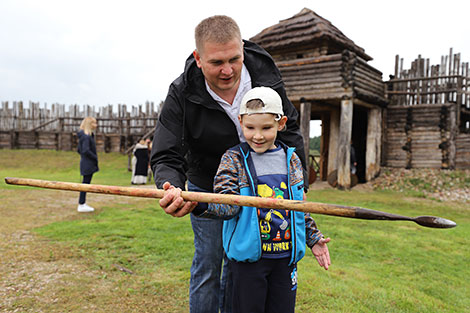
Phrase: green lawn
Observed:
(377, 266)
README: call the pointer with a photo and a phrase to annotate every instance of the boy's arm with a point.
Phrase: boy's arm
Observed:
(316, 242)
(312, 233)
(226, 182)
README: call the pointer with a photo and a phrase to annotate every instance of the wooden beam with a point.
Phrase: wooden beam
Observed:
(344, 144)
(373, 145)
(333, 143)
(305, 111)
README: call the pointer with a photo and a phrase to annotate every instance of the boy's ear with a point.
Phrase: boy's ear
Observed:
(282, 123)
(240, 119)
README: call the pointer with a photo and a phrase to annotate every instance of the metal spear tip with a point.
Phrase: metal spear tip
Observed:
(434, 222)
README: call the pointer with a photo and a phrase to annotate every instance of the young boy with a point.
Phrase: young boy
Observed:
(263, 245)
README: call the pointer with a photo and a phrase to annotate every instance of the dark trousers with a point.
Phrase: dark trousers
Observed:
(265, 286)
(86, 180)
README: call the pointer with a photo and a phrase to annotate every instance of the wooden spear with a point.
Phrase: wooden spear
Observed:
(302, 206)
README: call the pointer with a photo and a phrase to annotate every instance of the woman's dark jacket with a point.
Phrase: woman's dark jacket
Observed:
(87, 150)
(193, 131)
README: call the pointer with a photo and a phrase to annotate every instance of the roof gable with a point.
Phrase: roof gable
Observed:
(306, 29)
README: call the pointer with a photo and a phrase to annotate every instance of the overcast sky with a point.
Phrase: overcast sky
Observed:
(109, 52)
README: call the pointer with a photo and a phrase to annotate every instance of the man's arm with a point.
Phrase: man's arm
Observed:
(167, 157)
(172, 202)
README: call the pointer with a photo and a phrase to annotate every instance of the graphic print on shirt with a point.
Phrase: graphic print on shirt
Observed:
(274, 224)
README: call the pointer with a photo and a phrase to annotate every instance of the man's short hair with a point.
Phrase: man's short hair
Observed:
(217, 29)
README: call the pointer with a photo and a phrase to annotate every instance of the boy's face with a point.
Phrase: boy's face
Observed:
(260, 130)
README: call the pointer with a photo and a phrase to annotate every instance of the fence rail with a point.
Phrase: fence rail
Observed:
(54, 127)
(422, 84)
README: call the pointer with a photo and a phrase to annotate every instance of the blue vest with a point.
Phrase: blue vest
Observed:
(241, 234)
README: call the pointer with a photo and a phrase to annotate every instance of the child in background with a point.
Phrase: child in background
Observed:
(140, 163)
(264, 245)
(88, 157)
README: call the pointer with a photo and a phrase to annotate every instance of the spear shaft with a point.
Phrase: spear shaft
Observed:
(259, 202)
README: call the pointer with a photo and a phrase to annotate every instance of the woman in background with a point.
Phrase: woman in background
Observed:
(88, 157)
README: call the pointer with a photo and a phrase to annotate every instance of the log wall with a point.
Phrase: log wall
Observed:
(331, 77)
(425, 137)
(34, 127)
(462, 158)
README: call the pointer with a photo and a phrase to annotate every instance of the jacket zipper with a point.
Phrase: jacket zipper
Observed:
(291, 196)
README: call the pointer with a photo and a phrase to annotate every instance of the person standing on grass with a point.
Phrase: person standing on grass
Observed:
(88, 157)
(263, 245)
(197, 124)
(140, 163)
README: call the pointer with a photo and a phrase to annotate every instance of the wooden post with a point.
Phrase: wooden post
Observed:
(13, 138)
(333, 144)
(459, 98)
(324, 146)
(373, 144)
(453, 130)
(305, 112)
(344, 144)
(60, 134)
(20, 115)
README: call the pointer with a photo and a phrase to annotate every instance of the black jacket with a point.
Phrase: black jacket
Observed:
(193, 131)
(87, 150)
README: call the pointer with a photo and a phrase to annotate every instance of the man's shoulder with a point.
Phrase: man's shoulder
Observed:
(254, 47)
(261, 65)
(255, 50)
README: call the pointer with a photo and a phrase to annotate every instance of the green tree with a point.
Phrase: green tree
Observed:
(315, 144)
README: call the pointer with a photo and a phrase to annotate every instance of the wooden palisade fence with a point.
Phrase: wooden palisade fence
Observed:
(55, 127)
(427, 122)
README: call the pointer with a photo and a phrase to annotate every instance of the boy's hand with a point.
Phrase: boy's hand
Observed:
(321, 253)
(172, 202)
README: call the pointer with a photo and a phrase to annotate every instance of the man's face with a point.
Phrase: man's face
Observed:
(221, 64)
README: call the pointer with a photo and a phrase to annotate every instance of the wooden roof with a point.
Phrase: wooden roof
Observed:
(306, 28)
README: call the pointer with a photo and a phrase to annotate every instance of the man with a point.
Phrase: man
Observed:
(197, 124)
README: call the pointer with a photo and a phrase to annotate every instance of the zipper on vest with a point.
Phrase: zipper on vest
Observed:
(292, 215)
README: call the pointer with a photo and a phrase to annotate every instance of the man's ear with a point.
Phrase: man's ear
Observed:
(240, 119)
(197, 57)
(282, 123)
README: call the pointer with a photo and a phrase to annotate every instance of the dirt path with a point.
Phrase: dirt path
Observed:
(37, 275)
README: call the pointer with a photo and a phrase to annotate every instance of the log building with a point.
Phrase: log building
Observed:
(327, 78)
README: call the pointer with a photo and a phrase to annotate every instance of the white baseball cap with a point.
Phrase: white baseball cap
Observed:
(270, 98)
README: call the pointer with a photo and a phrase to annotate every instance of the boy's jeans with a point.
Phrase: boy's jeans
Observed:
(208, 289)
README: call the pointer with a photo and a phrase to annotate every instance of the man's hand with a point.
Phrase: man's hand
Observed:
(320, 251)
(172, 202)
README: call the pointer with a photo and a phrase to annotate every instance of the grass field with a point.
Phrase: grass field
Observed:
(129, 256)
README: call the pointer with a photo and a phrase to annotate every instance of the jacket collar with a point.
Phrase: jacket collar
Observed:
(246, 147)
(249, 165)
